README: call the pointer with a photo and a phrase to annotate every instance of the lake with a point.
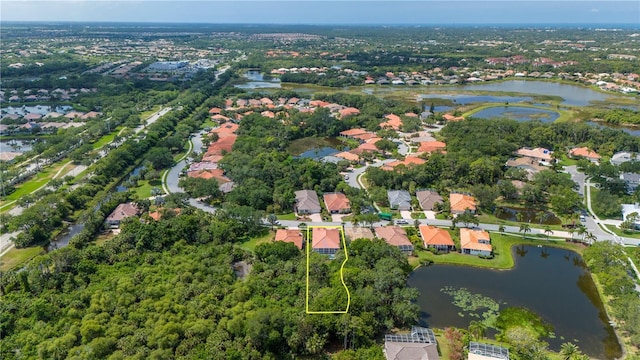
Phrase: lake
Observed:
(257, 80)
(628, 130)
(572, 94)
(551, 282)
(16, 145)
(518, 113)
(468, 99)
(318, 154)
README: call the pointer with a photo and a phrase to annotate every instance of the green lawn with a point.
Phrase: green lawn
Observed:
(32, 184)
(289, 216)
(107, 138)
(624, 233)
(15, 257)
(143, 191)
(253, 242)
(503, 258)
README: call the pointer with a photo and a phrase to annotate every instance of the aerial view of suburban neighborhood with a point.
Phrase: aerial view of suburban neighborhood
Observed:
(330, 191)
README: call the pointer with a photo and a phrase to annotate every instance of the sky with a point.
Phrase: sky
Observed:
(355, 12)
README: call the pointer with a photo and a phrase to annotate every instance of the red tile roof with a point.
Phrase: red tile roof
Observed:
(325, 238)
(584, 152)
(336, 201)
(393, 235)
(431, 146)
(293, 236)
(393, 121)
(434, 236)
(470, 239)
(462, 202)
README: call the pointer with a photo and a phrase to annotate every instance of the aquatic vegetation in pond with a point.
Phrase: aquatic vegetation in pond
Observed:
(522, 317)
(471, 304)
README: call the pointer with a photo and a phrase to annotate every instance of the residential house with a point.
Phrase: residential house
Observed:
(293, 236)
(399, 200)
(350, 111)
(407, 162)
(393, 121)
(431, 146)
(307, 202)
(631, 211)
(449, 117)
(539, 154)
(632, 180)
(353, 233)
(428, 198)
(475, 242)
(437, 238)
(482, 351)
(623, 157)
(345, 155)
(395, 236)
(337, 203)
(531, 166)
(120, 213)
(352, 133)
(325, 241)
(420, 344)
(584, 152)
(460, 203)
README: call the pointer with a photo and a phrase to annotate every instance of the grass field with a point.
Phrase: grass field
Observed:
(623, 233)
(503, 258)
(289, 216)
(143, 191)
(253, 242)
(15, 257)
(107, 138)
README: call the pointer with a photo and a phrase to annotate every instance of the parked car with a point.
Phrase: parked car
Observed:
(402, 222)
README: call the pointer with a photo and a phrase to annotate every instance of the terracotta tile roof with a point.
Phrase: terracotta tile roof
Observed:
(408, 161)
(318, 103)
(393, 235)
(537, 153)
(350, 111)
(434, 236)
(366, 136)
(290, 235)
(431, 146)
(584, 152)
(347, 156)
(393, 121)
(336, 201)
(215, 110)
(461, 202)
(470, 239)
(353, 132)
(325, 238)
(224, 144)
(219, 117)
(268, 114)
(217, 174)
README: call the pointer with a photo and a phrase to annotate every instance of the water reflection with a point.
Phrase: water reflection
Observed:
(551, 282)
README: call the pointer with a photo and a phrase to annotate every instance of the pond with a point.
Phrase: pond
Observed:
(257, 80)
(628, 130)
(518, 113)
(16, 145)
(63, 239)
(468, 99)
(528, 215)
(319, 153)
(551, 282)
(572, 94)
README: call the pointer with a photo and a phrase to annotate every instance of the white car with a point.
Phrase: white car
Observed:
(402, 222)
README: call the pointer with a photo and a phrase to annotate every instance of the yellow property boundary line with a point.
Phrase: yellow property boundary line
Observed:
(346, 258)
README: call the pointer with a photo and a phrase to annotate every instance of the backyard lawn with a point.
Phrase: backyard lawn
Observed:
(15, 257)
(253, 242)
(503, 258)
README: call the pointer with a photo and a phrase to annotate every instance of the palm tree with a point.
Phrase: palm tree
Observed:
(501, 228)
(590, 238)
(571, 231)
(568, 351)
(548, 231)
(520, 217)
(477, 329)
(581, 231)
(525, 228)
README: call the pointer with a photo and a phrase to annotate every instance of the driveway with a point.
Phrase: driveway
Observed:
(576, 176)
(337, 217)
(406, 214)
(430, 215)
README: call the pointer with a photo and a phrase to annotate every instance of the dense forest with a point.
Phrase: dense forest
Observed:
(164, 290)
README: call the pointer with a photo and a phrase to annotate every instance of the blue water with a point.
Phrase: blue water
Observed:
(318, 154)
(258, 81)
(468, 99)
(628, 130)
(517, 113)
